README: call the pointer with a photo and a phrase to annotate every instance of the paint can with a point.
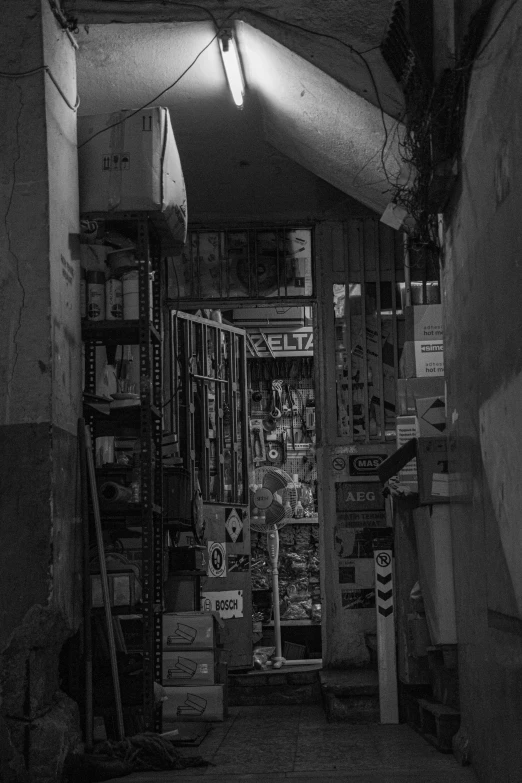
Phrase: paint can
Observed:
(95, 295)
(131, 286)
(130, 289)
(113, 299)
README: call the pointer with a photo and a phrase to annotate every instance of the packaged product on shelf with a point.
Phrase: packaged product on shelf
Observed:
(95, 295)
(133, 167)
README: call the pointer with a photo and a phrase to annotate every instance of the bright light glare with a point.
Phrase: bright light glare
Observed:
(232, 68)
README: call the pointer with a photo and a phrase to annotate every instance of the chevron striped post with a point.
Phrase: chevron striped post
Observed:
(384, 602)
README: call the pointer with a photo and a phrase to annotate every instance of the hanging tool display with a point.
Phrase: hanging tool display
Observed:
(277, 388)
(280, 392)
(257, 441)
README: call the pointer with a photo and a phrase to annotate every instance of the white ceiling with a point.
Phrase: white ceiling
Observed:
(293, 112)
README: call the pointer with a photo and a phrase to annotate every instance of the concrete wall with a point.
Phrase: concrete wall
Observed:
(483, 327)
(40, 599)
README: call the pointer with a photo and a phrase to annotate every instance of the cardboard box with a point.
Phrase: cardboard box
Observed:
(431, 416)
(188, 667)
(432, 468)
(422, 359)
(423, 323)
(194, 703)
(409, 390)
(189, 631)
(133, 165)
(423, 352)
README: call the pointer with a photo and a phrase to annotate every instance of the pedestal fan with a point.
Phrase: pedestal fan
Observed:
(273, 498)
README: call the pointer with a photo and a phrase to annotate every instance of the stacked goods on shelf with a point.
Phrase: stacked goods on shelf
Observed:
(299, 583)
(193, 675)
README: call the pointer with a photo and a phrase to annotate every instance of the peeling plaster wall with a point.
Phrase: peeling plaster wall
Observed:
(40, 599)
(483, 312)
(25, 352)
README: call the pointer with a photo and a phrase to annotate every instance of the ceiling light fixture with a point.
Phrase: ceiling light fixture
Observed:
(232, 66)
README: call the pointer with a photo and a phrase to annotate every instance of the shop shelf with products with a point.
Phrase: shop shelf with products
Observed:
(136, 499)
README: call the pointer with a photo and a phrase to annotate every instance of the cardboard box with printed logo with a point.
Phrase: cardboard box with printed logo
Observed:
(431, 416)
(189, 631)
(129, 162)
(409, 390)
(194, 703)
(423, 352)
(188, 667)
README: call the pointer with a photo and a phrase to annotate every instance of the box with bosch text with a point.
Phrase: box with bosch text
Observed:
(128, 161)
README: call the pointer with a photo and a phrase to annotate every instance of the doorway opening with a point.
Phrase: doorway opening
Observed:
(260, 280)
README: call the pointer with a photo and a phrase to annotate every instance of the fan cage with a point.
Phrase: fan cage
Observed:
(279, 482)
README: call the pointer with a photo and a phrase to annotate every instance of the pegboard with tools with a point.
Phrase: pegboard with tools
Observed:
(282, 423)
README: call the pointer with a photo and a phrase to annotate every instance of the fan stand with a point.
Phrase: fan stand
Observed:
(273, 553)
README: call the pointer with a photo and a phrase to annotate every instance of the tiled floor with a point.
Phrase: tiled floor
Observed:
(265, 744)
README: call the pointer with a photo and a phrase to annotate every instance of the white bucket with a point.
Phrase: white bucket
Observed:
(113, 299)
(131, 287)
(131, 305)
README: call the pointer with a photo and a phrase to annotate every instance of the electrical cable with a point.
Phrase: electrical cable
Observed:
(137, 111)
(170, 86)
(21, 74)
(274, 19)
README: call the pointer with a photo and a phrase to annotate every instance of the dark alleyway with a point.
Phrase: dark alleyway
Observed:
(296, 743)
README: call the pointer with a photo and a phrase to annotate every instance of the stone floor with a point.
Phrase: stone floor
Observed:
(295, 743)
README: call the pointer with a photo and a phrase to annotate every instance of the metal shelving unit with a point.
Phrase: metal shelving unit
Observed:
(146, 419)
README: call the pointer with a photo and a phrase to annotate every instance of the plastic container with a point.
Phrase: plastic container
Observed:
(113, 299)
(95, 295)
(131, 293)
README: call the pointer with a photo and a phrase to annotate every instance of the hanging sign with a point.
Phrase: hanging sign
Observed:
(217, 559)
(228, 603)
(238, 563)
(365, 464)
(234, 525)
(270, 341)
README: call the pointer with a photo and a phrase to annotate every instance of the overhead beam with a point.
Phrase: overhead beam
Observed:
(339, 37)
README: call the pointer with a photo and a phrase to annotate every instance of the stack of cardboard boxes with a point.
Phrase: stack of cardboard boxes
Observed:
(421, 395)
(193, 675)
(421, 403)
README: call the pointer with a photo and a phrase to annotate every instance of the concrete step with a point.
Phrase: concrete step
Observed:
(436, 722)
(288, 685)
(350, 695)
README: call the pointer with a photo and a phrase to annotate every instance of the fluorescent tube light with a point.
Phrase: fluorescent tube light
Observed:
(232, 66)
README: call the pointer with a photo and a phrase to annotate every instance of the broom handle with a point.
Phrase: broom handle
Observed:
(86, 588)
(105, 586)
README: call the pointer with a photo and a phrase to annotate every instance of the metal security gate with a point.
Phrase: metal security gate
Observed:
(368, 295)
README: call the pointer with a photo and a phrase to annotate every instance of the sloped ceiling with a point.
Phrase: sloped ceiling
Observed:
(293, 110)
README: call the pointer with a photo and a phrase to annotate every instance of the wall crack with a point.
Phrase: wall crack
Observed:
(10, 250)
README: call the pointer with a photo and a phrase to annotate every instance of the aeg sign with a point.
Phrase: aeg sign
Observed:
(358, 497)
(365, 464)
